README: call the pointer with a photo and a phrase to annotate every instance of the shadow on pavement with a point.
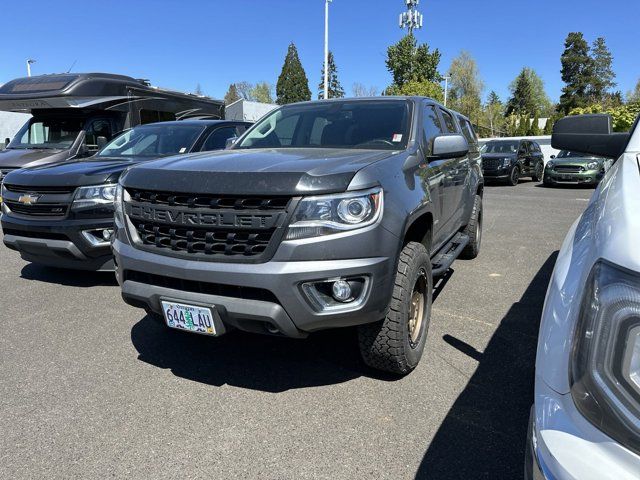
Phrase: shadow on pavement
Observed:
(69, 278)
(484, 433)
(257, 362)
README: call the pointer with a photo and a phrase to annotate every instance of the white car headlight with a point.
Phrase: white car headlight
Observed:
(93, 196)
(550, 164)
(605, 363)
(506, 162)
(592, 165)
(328, 214)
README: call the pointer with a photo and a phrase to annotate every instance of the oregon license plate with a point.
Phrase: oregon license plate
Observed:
(189, 317)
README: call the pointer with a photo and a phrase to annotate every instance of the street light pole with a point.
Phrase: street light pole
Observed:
(29, 62)
(326, 48)
(446, 89)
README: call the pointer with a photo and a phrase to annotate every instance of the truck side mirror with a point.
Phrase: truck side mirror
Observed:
(553, 156)
(101, 142)
(449, 146)
(7, 141)
(230, 142)
(590, 134)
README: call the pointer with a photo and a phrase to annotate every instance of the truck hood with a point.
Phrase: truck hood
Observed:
(19, 158)
(71, 174)
(257, 171)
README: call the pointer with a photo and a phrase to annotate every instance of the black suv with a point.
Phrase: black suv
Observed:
(509, 160)
(62, 215)
(322, 215)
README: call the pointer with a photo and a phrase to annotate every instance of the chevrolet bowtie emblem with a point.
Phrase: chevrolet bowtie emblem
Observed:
(28, 199)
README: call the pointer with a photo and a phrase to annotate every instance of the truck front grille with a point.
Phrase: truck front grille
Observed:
(57, 210)
(210, 227)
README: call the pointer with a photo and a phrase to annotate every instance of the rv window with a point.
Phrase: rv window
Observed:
(52, 133)
(151, 116)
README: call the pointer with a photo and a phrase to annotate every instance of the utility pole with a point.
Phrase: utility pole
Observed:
(326, 48)
(411, 19)
(29, 62)
(446, 89)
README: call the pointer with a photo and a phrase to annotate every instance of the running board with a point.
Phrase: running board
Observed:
(447, 254)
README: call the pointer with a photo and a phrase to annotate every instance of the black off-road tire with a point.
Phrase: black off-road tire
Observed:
(538, 173)
(387, 345)
(514, 176)
(474, 231)
(546, 182)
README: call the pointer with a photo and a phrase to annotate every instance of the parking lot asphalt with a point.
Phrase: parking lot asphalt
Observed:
(91, 388)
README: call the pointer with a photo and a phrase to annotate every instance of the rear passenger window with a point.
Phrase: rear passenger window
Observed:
(449, 122)
(432, 127)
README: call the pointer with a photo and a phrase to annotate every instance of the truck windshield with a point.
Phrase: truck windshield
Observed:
(500, 147)
(152, 141)
(370, 124)
(47, 133)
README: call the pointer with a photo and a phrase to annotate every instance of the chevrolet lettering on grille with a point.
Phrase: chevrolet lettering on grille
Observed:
(209, 219)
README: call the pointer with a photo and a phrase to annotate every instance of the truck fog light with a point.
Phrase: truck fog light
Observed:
(107, 233)
(341, 290)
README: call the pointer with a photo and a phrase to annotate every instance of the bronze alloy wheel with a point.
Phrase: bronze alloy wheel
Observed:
(417, 308)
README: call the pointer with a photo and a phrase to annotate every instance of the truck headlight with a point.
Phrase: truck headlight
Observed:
(605, 360)
(327, 214)
(117, 202)
(593, 165)
(95, 195)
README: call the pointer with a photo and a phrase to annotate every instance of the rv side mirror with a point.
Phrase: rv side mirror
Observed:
(230, 142)
(101, 142)
(449, 146)
(590, 134)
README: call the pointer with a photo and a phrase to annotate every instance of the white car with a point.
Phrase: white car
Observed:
(585, 421)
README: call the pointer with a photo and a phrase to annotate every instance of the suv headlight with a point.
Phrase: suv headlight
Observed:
(605, 360)
(550, 164)
(593, 165)
(327, 214)
(506, 162)
(96, 195)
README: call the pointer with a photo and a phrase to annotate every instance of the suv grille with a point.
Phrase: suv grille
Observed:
(41, 210)
(491, 163)
(223, 228)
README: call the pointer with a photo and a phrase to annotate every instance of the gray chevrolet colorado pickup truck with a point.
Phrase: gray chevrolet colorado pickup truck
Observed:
(322, 215)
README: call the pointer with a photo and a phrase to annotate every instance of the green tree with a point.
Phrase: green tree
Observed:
(523, 126)
(231, 95)
(548, 127)
(634, 95)
(335, 90)
(293, 85)
(262, 92)
(528, 93)
(602, 80)
(407, 61)
(534, 129)
(493, 114)
(577, 72)
(421, 89)
(623, 116)
(466, 86)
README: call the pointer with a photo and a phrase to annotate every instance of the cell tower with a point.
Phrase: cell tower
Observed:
(411, 19)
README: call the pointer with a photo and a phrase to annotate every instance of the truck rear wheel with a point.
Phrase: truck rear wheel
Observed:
(396, 343)
(474, 231)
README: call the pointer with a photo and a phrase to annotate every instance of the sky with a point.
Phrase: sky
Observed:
(180, 44)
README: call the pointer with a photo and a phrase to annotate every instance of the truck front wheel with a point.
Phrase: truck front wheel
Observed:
(396, 343)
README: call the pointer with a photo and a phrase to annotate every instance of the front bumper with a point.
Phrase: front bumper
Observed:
(58, 243)
(501, 173)
(562, 444)
(264, 297)
(591, 177)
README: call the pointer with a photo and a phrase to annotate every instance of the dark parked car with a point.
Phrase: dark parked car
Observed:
(62, 215)
(510, 160)
(575, 168)
(322, 215)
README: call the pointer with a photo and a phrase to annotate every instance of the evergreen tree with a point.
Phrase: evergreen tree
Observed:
(535, 96)
(293, 85)
(548, 127)
(493, 114)
(523, 126)
(602, 80)
(231, 95)
(522, 98)
(534, 129)
(335, 90)
(577, 72)
(408, 62)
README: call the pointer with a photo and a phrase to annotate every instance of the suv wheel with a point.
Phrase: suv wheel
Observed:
(547, 182)
(538, 172)
(515, 176)
(474, 231)
(396, 343)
